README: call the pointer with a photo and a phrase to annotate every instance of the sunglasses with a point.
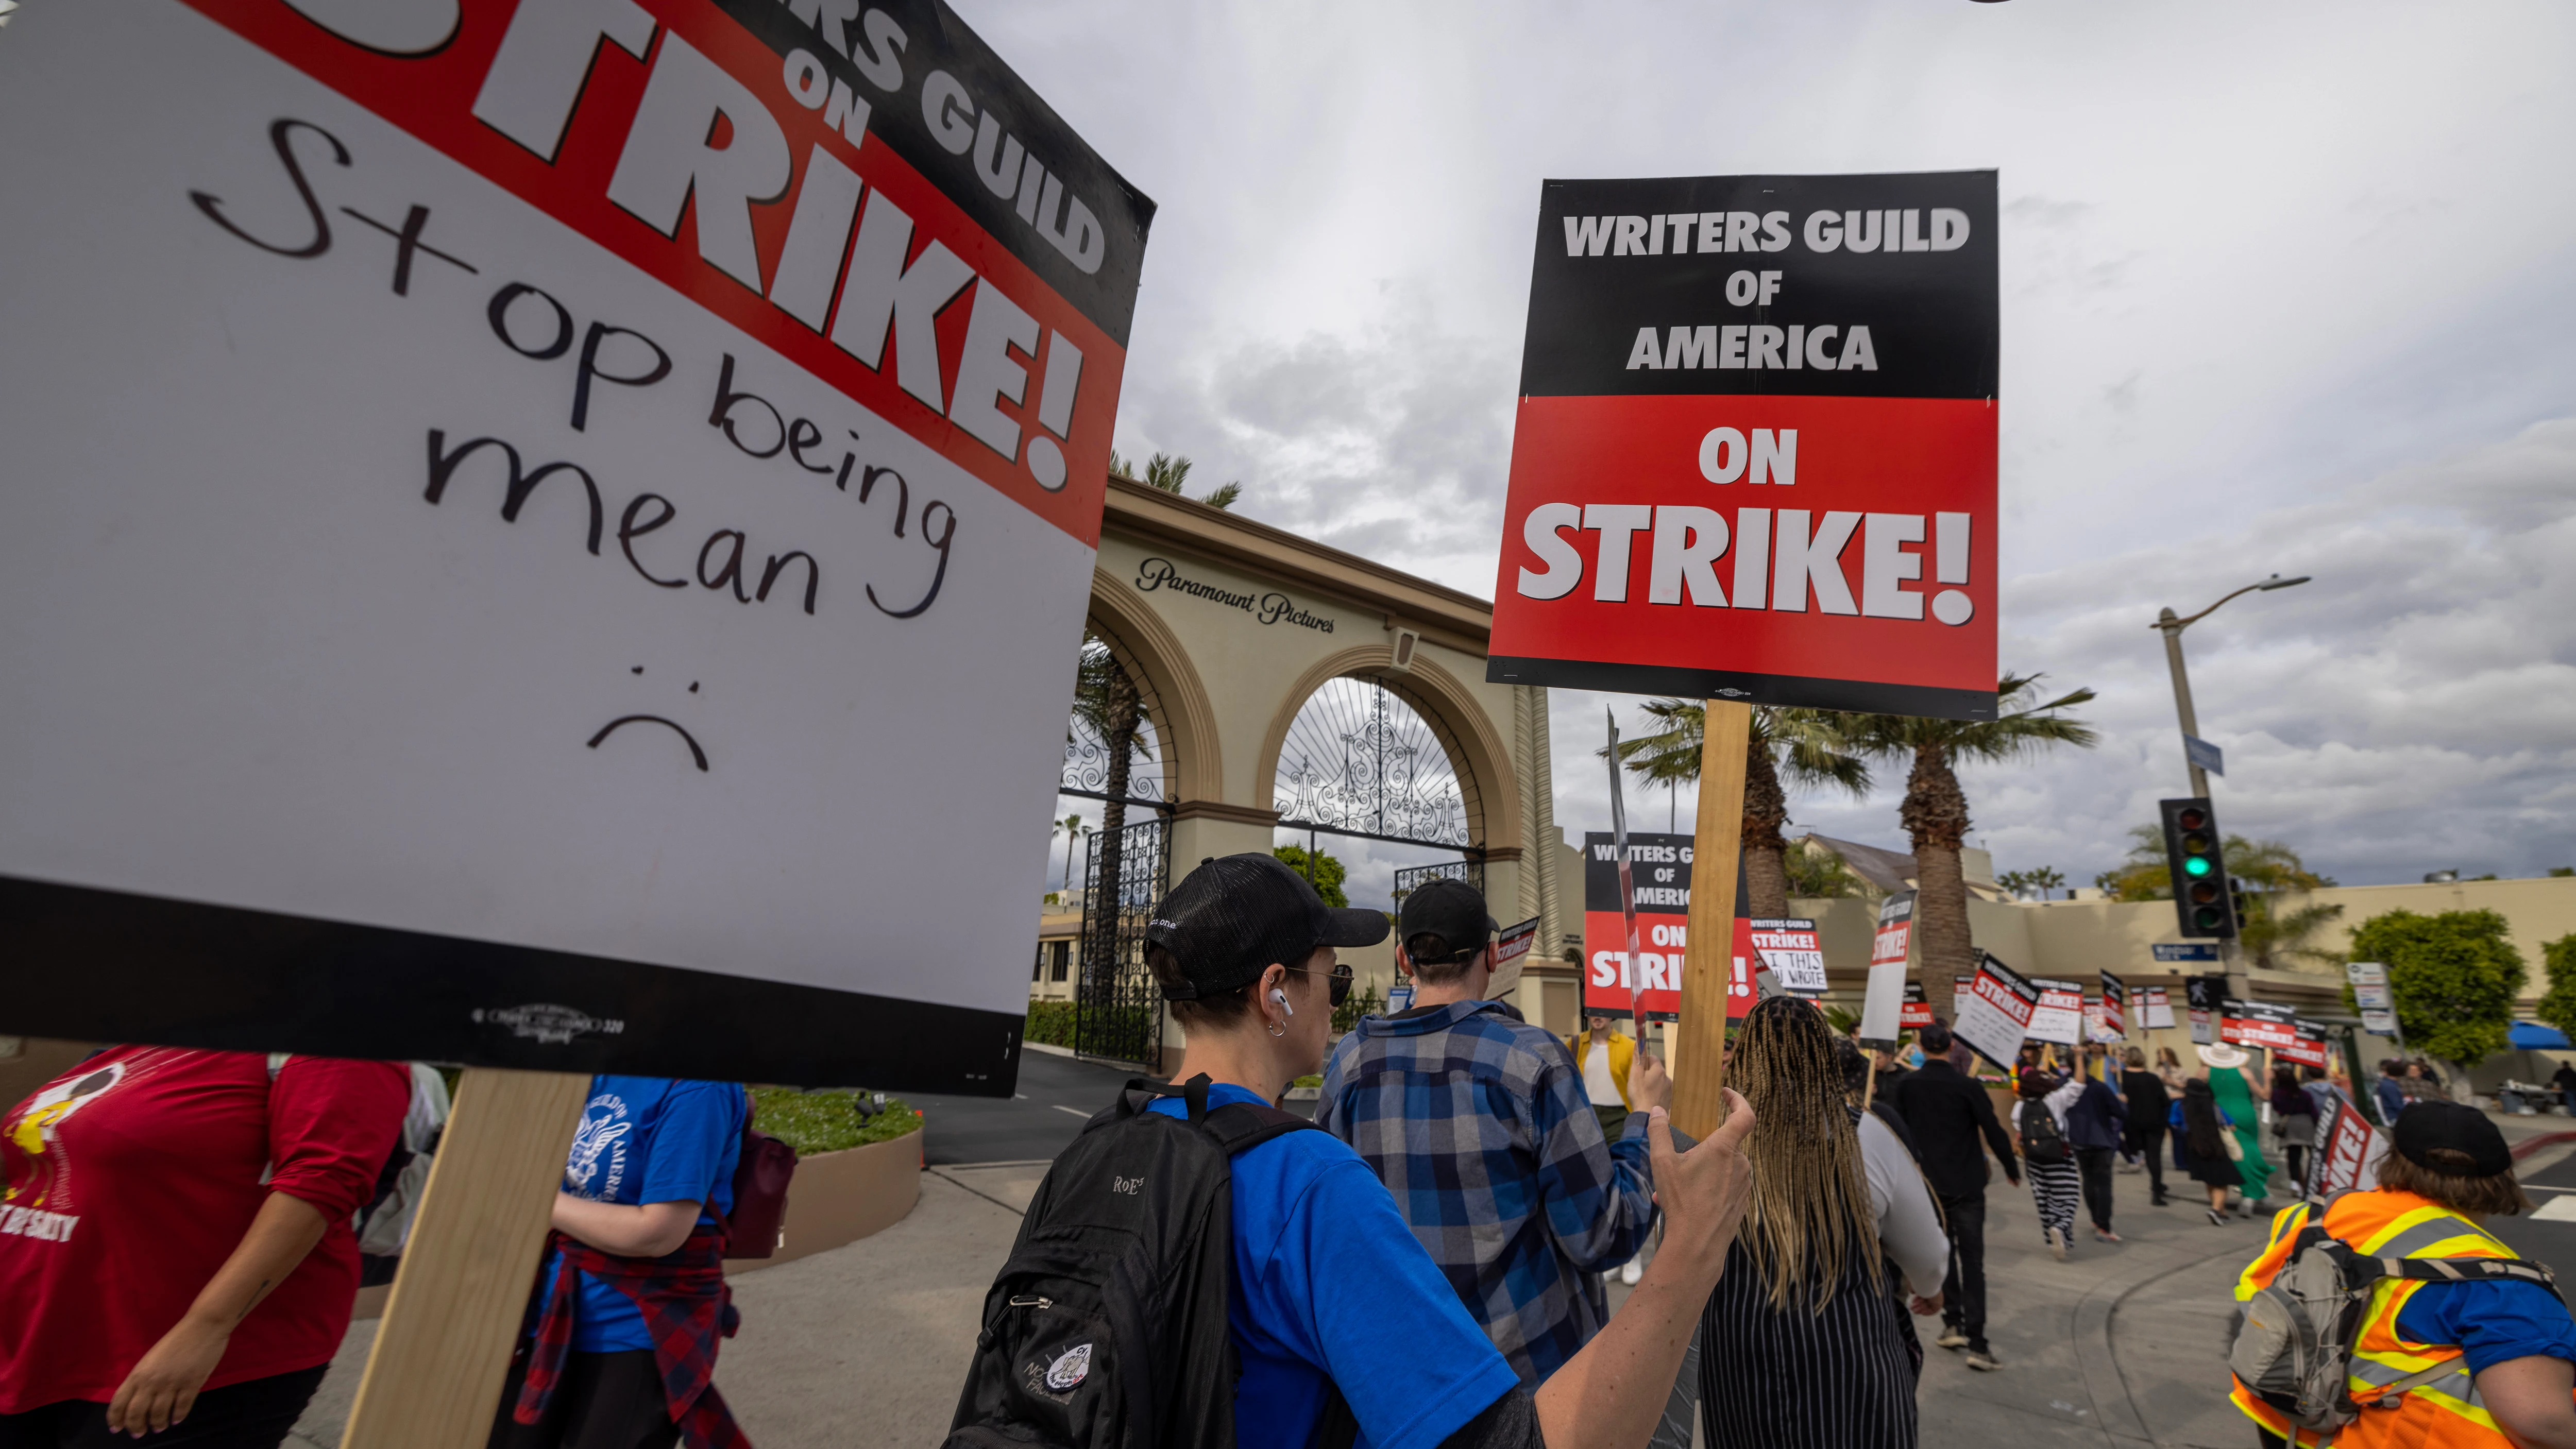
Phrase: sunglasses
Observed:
(1341, 979)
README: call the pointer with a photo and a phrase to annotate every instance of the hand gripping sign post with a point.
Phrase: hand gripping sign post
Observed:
(542, 533)
(1753, 462)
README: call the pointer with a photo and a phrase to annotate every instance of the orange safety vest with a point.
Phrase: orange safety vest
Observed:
(2445, 1412)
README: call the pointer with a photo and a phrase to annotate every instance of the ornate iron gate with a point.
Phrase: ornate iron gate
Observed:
(1118, 1010)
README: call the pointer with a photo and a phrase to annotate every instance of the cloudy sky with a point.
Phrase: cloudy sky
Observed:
(2288, 287)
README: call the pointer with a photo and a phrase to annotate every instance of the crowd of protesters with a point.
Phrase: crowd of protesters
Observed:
(1428, 1271)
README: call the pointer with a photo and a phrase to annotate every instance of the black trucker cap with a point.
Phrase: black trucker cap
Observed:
(2428, 1127)
(1452, 910)
(1228, 920)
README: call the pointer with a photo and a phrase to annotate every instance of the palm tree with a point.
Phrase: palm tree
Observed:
(1935, 810)
(1106, 699)
(2272, 931)
(1071, 828)
(1804, 745)
(1168, 473)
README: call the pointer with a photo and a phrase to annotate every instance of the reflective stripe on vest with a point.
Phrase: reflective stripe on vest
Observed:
(2446, 1411)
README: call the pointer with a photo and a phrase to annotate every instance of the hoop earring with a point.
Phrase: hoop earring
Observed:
(1278, 1028)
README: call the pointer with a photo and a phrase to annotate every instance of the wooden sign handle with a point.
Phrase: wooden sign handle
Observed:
(1699, 1038)
(433, 1379)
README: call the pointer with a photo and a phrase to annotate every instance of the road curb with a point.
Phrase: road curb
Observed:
(2529, 1145)
(2097, 1355)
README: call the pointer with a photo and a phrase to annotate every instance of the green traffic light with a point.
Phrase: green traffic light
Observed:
(2198, 865)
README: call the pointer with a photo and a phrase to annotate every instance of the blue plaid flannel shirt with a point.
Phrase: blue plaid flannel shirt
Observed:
(1478, 1125)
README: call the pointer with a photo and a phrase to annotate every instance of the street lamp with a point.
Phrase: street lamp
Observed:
(2173, 628)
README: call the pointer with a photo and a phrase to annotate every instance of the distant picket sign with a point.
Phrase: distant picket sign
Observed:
(546, 533)
(1754, 452)
(1995, 1011)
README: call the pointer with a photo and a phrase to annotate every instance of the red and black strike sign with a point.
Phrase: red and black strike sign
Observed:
(1754, 457)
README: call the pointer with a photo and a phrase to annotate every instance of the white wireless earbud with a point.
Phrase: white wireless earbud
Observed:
(1281, 997)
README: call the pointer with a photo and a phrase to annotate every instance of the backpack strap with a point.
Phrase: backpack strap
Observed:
(1242, 1126)
(1194, 1091)
(2469, 1270)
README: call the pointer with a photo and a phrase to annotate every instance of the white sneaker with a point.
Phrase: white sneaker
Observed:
(2057, 1243)
(1951, 1338)
(1631, 1271)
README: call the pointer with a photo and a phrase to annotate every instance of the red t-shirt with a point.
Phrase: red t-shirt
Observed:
(127, 1181)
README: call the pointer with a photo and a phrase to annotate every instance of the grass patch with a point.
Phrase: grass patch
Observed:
(1316, 1080)
(828, 1121)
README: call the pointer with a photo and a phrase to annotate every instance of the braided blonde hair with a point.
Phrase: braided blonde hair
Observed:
(1810, 1213)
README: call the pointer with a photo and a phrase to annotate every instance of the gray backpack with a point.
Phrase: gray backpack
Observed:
(2293, 1344)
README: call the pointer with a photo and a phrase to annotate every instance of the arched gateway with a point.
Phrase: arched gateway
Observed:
(1283, 689)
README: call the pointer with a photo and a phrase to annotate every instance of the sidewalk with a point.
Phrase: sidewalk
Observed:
(865, 1347)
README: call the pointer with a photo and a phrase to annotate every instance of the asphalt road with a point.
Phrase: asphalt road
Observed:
(1056, 1095)
(2548, 1240)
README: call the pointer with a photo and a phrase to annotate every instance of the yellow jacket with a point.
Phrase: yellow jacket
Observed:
(1623, 1050)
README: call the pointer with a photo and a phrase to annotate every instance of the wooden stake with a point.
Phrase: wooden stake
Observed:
(433, 1380)
(1699, 1038)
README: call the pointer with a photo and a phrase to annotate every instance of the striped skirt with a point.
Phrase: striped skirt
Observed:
(1839, 1379)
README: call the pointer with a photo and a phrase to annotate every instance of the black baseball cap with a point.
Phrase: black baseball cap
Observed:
(2460, 1132)
(1452, 910)
(1231, 918)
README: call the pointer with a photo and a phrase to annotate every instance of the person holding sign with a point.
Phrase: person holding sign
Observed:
(1954, 1126)
(2484, 1361)
(1606, 1053)
(2235, 1094)
(621, 1350)
(1805, 1344)
(175, 1244)
(1331, 1294)
(1479, 1125)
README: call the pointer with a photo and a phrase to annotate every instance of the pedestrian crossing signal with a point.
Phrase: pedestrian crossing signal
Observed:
(2203, 903)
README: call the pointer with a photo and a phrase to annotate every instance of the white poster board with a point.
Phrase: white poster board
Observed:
(1995, 1014)
(492, 574)
(2059, 1016)
(2155, 1006)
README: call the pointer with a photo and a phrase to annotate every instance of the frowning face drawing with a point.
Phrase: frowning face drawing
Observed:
(653, 724)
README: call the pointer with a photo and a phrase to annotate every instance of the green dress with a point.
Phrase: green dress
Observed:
(2237, 1101)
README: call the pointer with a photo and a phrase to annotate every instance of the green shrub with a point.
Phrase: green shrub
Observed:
(2557, 1006)
(1050, 1022)
(828, 1121)
(1363, 1003)
(2454, 976)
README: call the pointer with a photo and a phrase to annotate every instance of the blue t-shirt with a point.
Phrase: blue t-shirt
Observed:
(2492, 1322)
(648, 1139)
(1332, 1287)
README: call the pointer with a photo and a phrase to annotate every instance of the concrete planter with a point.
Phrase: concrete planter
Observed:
(841, 1197)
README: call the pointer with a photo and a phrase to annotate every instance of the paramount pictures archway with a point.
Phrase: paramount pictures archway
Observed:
(1285, 685)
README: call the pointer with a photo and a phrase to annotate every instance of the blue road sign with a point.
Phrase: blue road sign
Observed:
(2169, 952)
(2204, 754)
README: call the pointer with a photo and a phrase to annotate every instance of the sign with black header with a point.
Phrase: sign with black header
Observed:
(543, 531)
(1754, 452)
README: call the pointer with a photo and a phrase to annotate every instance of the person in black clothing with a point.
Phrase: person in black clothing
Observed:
(1953, 1123)
(2093, 1130)
(2149, 1105)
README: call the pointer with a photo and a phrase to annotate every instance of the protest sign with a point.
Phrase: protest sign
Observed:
(2155, 1008)
(1961, 988)
(1660, 871)
(1883, 1004)
(1772, 396)
(1995, 1013)
(2348, 1150)
(587, 571)
(2307, 1047)
(1791, 950)
(1511, 950)
(1917, 1012)
(2059, 1016)
(2256, 1024)
(2115, 1006)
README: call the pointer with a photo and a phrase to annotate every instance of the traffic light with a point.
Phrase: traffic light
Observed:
(2202, 901)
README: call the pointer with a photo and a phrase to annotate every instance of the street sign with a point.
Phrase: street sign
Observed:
(2366, 973)
(587, 570)
(1753, 456)
(2204, 754)
(2371, 993)
(2168, 951)
(2203, 994)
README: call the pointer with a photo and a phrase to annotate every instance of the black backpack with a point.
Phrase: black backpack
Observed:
(2042, 1145)
(1106, 1328)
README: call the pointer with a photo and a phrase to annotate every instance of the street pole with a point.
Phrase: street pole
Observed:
(2171, 626)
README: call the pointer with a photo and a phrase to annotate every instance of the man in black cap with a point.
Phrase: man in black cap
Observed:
(2507, 1343)
(1331, 1291)
(1479, 1125)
